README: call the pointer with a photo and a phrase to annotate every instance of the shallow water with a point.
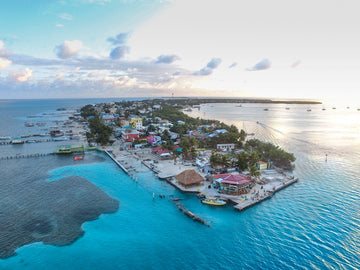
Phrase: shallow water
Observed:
(313, 224)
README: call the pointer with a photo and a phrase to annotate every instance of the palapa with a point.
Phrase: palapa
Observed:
(189, 178)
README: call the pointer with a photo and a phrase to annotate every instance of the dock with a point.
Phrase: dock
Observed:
(242, 204)
(117, 162)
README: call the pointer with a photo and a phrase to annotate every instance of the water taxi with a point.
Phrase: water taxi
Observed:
(213, 201)
(78, 158)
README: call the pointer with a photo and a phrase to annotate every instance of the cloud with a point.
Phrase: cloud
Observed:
(68, 48)
(59, 25)
(214, 63)
(205, 71)
(119, 52)
(296, 63)
(167, 59)
(119, 39)
(4, 63)
(100, 2)
(66, 16)
(233, 65)
(22, 76)
(263, 64)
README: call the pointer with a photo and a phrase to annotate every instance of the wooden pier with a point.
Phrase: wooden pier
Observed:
(26, 156)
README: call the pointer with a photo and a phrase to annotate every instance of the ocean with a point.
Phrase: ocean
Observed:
(312, 224)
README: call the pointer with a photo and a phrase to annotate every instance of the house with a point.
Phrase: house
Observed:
(124, 122)
(136, 122)
(165, 123)
(233, 184)
(189, 178)
(261, 165)
(225, 146)
(162, 153)
(129, 134)
(109, 118)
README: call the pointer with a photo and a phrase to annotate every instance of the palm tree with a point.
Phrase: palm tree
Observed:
(242, 135)
(253, 157)
(254, 172)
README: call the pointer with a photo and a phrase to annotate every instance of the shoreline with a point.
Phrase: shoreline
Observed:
(167, 169)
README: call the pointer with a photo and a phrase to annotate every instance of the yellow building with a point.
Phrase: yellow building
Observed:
(261, 165)
(136, 122)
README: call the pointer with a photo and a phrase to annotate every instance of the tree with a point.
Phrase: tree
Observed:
(254, 172)
(253, 157)
(242, 135)
(242, 161)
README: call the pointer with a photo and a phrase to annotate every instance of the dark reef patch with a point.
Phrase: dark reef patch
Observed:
(33, 210)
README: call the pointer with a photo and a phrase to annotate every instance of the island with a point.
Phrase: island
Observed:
(233, 166)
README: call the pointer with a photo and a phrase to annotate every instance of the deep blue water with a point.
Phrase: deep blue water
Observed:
(313, 224)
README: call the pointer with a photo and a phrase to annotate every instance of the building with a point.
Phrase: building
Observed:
(233, 184)
(162, 153)
(129, 134)
(225, 146)
(189, 178)
(136, 122)
(261, 165)
(124, 122)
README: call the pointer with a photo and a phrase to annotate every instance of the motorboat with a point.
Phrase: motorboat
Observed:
(213, 201)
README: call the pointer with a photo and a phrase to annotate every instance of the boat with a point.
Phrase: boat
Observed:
(5, 138)
(309, 110)
(213, 201)
(17, 141)
(78, 158)
(266, 109)
(27, 124)
(323, 109)
(287, 108)
(56, 133)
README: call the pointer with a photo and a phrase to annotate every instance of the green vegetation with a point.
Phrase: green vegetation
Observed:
(268, 151)
(88, 110)
(98, 131)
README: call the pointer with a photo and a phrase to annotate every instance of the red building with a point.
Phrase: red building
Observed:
(233, 184)
(129, 135)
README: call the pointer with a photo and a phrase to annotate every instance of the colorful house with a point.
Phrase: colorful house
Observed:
(129, 134)
(162, 153)
(136, 122)
(233, 184)
(261, 165)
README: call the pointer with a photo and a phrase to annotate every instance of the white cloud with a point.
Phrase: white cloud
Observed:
(4, 63)
(68, 48)
(59, 25)
(22, 76)
(66, 16)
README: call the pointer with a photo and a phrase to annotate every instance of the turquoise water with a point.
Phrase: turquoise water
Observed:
(313, 224)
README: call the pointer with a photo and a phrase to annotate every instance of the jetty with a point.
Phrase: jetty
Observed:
(117, 162)
(26, 156)
(243, 202)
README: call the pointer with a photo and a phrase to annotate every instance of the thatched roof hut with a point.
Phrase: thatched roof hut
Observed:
(189, 178)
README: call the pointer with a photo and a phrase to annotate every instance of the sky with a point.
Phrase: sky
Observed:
(280, 49)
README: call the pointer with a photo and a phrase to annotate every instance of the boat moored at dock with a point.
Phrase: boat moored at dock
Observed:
(213, 201)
